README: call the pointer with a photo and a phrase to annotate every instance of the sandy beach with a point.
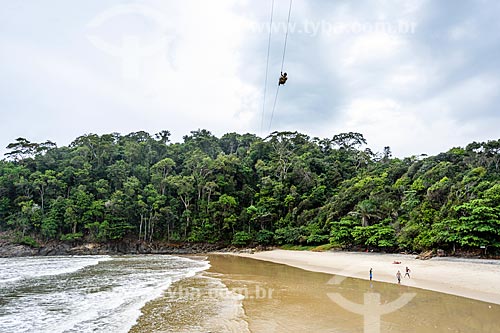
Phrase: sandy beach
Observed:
(279, 298)
(471, 278)
(294, 291)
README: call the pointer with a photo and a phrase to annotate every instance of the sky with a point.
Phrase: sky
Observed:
(419, 76)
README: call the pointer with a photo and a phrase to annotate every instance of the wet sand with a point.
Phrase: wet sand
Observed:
(281, 298)
(476, 279)
(198, 304)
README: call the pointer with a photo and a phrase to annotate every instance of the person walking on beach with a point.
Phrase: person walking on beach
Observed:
(371, 273)
(398, 275)
(407, 272)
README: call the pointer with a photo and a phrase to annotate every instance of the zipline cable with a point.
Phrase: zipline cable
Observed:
(267, 67)
(286, 35)
(274, 107)
(282, 64)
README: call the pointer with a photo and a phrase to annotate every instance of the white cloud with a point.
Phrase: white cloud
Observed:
(471, 95)
(192, 83)
(371, 48)
(462, 31)
(416, 92)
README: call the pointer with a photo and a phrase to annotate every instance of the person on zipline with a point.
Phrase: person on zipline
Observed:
(283, 79)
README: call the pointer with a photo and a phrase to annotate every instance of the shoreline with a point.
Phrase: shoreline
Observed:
(468, 278)
(196, 304)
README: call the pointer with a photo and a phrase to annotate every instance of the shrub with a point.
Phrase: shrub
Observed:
(72, 237)
(287, 235)
(264, 237)
(27, 240)
(241, 238)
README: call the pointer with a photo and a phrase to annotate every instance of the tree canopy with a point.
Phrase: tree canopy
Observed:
(286, 188)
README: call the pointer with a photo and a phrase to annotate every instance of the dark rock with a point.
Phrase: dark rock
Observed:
(127, 246)
(16, 250)
(425, 255)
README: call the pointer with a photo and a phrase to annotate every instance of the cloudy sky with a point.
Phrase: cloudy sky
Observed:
(420, 76)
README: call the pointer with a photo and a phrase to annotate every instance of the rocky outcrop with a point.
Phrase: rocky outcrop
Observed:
(119, 247)
(16, 250)
(425, 255)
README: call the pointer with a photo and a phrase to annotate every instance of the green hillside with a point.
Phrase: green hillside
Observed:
(285, 189)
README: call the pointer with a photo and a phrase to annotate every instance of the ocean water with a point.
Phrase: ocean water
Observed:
(84, 293)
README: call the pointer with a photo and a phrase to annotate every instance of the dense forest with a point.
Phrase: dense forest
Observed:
(241, 189)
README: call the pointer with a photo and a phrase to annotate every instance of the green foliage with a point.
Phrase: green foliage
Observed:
(198, 235)
(264, 237)
(287, 235)
(317, 239)
(409, 230)
(424, 240)
(26, 240)
(323, 248)
(98, 231)
(341, 231)
(378, 235)
(479, 222)
(241, 238)
(287, 188)
(49, 227)
(313, 234)
(297, 247)
(72, 237)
